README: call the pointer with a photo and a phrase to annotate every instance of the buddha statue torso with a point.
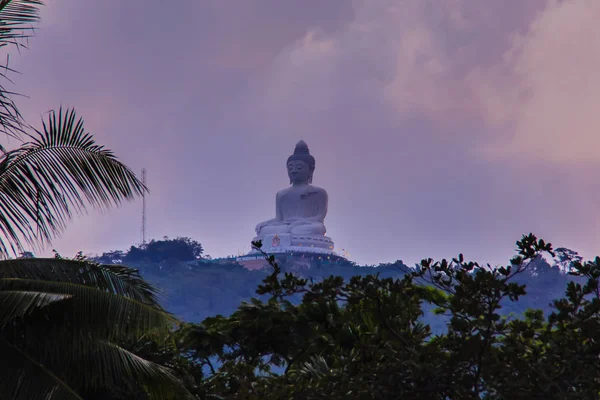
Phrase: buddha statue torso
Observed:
(299, 210)
(302, 202)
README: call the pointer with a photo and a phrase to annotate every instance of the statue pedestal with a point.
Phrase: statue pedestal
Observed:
(286, 242)
(275, 243)
(298, 252)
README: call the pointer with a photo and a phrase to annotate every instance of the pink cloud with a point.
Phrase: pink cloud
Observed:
(428, 118)
(501, 85)
(555, 67)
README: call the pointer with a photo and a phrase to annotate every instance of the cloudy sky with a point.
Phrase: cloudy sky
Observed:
(438, 126)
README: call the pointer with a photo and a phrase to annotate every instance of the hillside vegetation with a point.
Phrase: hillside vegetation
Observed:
(194, 288)
(449, 329)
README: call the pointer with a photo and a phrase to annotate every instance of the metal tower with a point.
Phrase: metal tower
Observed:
(144, 207)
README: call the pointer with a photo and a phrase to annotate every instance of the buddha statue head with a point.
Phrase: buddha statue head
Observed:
(301, 164)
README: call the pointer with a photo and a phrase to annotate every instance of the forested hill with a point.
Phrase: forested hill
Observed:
(195, 287)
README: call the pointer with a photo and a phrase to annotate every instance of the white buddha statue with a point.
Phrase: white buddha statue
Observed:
(301, 208)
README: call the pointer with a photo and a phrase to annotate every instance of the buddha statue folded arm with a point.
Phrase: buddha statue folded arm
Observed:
(277, 221)
(297, 212)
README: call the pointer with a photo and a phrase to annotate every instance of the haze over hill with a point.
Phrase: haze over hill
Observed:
(196, 288)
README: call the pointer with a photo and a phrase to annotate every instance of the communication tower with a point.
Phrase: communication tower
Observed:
(144, 207)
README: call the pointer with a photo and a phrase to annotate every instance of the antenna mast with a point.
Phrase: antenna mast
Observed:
(144, 207)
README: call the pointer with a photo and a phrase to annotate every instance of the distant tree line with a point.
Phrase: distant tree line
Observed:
(176, 250)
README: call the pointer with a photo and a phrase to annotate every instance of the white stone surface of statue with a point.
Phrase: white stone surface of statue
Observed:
(300, 209)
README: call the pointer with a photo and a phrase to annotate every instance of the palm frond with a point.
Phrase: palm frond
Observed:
(85, 365)
(90, 309)
(18, 303)
(117, 279)
(60, 170)
(110, 302)
(16, 20)
(316, 368)
(11, 121)
(16, 25)
(24, 378)
(115, 366)
(58, 319)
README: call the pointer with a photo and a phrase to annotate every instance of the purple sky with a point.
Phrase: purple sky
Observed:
(438, 126)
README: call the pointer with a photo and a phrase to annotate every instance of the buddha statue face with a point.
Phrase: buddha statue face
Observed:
(299, 172)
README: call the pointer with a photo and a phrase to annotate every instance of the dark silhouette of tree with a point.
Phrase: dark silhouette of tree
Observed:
(62, 323)
(180, 249)
(111, 257)
(27, 254)
(365, 337)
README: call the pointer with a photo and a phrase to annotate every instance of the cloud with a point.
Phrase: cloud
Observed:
(437, 125)
(554, 67)
(421, 58)
(443, 110)
(531, 89)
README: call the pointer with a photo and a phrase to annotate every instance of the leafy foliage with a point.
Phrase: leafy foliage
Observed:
(59, 170)
(61, 322)
(165, 351)
(159, 252)
(16, 19)
(174, 250)
(196, 290)
(365, 337)
(111, 257)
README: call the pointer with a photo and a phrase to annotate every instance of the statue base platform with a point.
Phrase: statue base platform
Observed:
(286, 246)
(287, 242)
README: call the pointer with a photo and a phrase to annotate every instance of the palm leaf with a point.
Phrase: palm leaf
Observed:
(16, 24)
(104, 313)
(112, 302)
(18, 303)
(16, 20)
(114, 366)
(84, 365)
(60, 170)
(117, 279)
(58, 318)
(316, 368)
(23, 378)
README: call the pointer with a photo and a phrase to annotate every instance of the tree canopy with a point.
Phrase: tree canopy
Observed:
(180, 249)
(365, 337)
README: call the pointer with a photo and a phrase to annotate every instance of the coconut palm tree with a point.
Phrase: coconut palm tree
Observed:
(59, 169)
(61, 321)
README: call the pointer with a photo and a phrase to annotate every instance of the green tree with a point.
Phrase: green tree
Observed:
(164, 351)
(365, 338)
(180, 249)
(111, 257)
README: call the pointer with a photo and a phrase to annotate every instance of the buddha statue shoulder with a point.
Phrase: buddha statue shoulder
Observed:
(300, 208)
